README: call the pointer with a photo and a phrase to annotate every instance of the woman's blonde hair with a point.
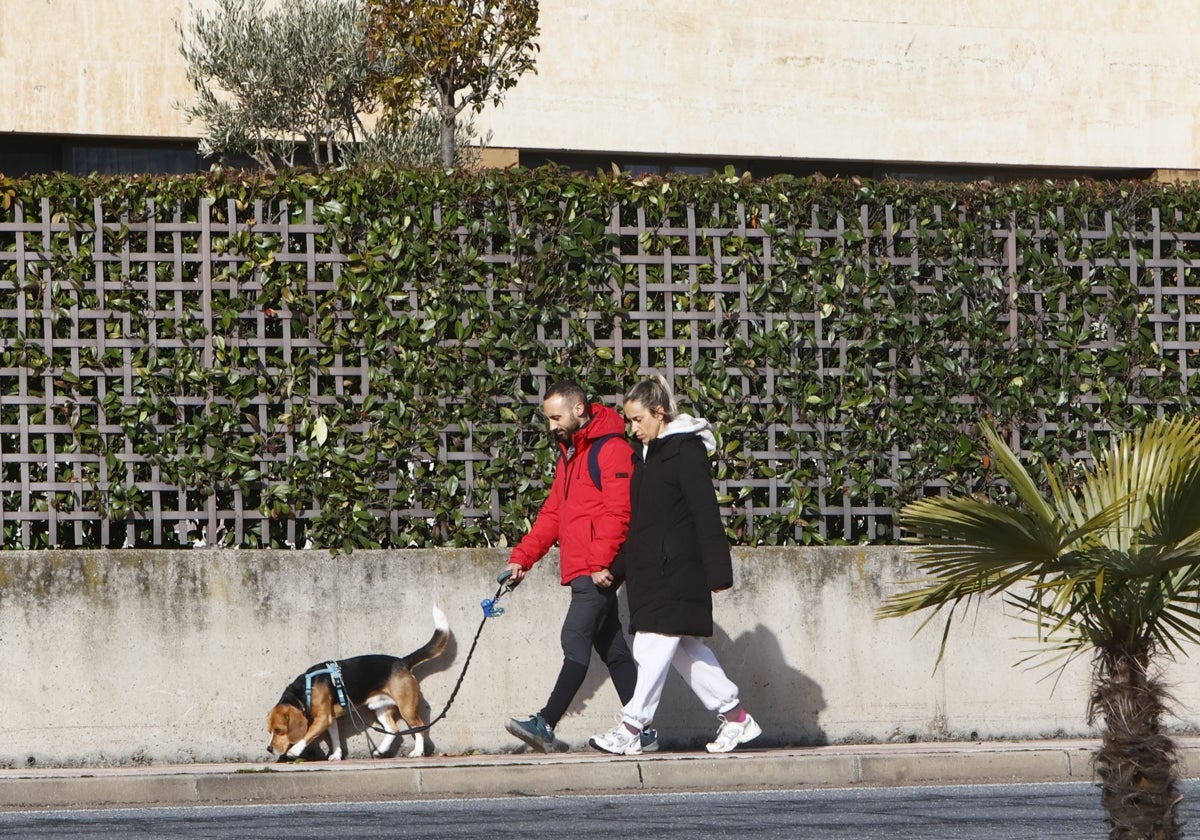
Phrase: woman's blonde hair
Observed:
(655, 394)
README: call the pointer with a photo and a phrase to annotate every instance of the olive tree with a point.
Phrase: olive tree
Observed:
(268, 79)
(271, 80)
(447, 56)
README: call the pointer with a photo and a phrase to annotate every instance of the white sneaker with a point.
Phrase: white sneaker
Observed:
(731, 734)
(619, 741)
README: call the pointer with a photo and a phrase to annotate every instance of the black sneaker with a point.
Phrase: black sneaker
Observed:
(535, 732)
(649, 740)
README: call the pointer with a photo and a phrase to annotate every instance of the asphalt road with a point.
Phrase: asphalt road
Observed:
(957, 812)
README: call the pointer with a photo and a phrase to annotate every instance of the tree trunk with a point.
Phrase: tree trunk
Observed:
(448, 119)
(1136, 762)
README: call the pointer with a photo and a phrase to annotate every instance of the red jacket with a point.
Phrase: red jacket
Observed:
(589, 524)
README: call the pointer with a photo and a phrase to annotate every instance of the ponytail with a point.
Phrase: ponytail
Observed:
(655, 394)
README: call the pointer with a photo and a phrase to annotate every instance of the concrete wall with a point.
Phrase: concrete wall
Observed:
(1088, 84)
(139, 656)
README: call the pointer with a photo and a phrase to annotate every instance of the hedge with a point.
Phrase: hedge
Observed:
(355, 359)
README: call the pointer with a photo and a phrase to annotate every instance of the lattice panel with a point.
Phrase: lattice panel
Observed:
(699, 292)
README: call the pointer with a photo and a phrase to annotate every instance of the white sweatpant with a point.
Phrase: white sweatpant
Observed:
(655, 654)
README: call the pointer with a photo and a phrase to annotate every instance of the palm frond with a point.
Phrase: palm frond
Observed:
(1009, 466)
(1176, 627)
(1150, 464)
(1113, 557)
(965, 520)
(1062, 611)
(1087, 532)
(1174, 512)
(1068, 506)
(972, 547)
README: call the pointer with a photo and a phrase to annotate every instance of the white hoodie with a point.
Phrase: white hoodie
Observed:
(684, 424)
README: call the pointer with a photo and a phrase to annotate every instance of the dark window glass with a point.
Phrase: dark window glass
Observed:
(132, 160)
(17, 163)
(766, 167)
(27, 154)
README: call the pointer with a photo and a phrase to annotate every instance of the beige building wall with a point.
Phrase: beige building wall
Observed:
(1028, 82)
(92, 67)
(1114, 83)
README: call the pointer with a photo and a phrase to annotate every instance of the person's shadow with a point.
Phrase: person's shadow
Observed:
(785, 702)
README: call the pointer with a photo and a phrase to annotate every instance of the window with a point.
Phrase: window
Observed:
(132, 159)
(22, 155)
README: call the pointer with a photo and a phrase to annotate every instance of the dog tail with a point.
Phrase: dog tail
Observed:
(436, 643)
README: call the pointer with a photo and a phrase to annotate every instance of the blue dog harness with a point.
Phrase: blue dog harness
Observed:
(335, 676)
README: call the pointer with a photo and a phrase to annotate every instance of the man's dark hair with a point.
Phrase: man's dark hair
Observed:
(568, 389)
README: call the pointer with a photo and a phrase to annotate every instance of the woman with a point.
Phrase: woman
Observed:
(674, 557)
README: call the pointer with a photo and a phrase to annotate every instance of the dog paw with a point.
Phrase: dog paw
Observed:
(336, 755)
(297, 749)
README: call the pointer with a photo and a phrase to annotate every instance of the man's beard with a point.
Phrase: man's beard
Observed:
(564, 436)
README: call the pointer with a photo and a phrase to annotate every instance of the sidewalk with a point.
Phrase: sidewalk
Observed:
(560, 773)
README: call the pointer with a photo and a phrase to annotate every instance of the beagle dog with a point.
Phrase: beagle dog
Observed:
(310, 707)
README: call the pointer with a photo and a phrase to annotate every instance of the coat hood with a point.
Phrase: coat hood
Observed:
(605, 421)
(685, 424)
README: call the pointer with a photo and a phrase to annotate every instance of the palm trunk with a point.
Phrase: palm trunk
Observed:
(1136, 762)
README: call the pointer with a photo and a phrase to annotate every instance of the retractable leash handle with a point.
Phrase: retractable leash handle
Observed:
(507, 584)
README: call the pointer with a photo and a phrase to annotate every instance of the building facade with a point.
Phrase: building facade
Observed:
(964, 89)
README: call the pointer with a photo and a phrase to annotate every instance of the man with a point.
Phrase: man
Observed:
(587, 514)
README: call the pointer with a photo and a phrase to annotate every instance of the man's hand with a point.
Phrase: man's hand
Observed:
(518, 573)
(602, 578)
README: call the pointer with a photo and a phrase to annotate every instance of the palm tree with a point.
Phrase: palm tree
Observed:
(1109, 565)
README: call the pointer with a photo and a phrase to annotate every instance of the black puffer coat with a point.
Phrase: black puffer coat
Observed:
(676, 552)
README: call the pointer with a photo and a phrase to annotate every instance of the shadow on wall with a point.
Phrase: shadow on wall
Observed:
(780, 697)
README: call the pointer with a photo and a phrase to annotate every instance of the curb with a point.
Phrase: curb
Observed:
(527, 774)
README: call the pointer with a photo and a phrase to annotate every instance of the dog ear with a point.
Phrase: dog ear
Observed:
(297, 724)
